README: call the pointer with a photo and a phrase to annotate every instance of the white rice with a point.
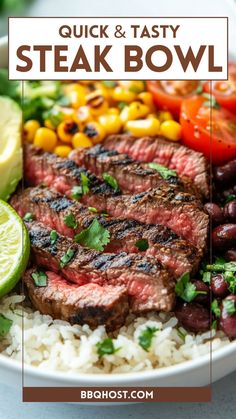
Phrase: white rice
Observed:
(56, 345)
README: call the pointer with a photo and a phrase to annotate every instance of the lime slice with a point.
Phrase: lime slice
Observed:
(14, 248)
(10, 146)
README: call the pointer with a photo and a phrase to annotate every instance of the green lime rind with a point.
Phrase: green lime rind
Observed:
(20, 263)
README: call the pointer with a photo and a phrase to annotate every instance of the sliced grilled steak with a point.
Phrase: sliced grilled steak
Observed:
(89, 304)
(185, 161)
(132, 176)
(176, 210)
(149, 286)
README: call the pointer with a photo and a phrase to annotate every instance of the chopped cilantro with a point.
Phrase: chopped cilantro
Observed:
(66, 258)
(109, 83)
(40, 278)
(229, 306)
(214, 325)
(206, 277)
(84, 183)
(122, 105)
(5, 325)
(110, 180)
(76, 192)
(186, 289)
(142, 244)
(145, 337)
(231, 280)
(28, 217)
(106, 347)
(230, 198)
(94, 237)
(70, 221)
(215, 308)
(53, 237)
(54, 115)
(211, 101)
(92, 209)
(163, 171)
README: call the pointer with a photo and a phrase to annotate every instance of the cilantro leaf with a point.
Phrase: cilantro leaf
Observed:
(66, 258)
(142, 244)
(186, 289)
(145, 337)
(70, 221)
(214, 325)
(229, 306)
(231, 279)
(206, 277)
(5, 325)
(215, 308)
(40, 278)
(53, 237)
(111, 181)
(163, 171)
(106, 347)
(109, 83)
(54, 115)
(76, 192)
(230, 198)
(94, 237)
(84, 183)
(92, 209)
(28, 217)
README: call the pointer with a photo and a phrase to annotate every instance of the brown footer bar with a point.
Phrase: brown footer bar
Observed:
(116, 394)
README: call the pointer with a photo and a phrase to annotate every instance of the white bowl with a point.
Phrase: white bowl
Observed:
(199, 372)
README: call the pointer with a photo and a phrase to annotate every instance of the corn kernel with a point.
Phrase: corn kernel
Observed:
(143, 127)
(135, 86)
(113, 111)
(164, 116)
(95, 132)
(45, 138)
(81, 140)
(96, 103)
(62, 150)
(171, 130)
(120, 94)
(82, 115)
(66, 130)
(147, 99)
(134, 111)
(111, 123)
(48, 124)
(30, 128)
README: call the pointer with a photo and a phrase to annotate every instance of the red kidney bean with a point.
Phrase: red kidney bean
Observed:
(228, 321)
(202, 298)
(227, 173)
(230, 255)
(215, 213)
(230, 211)
(193, 316)
(219, 286)
(224, 236)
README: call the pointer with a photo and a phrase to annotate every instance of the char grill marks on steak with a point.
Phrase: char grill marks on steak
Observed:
(89, 304)
(185, 161)
(132, 176)
(50, 208)
(177, 210)
(149, 285)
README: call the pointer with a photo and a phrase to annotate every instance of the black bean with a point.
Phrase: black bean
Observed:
(227, 173)
(227, 320)
(193, 316)
(230, 255)
(230, 211)
(215, 213)
(224, 236)
(219, 286)
(202, 287)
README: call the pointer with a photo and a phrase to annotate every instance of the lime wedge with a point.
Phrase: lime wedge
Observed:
(10, 146)
(14, 248)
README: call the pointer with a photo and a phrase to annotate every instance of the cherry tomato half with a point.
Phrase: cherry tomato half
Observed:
(169, 94)
(216, 139)
(225, 91)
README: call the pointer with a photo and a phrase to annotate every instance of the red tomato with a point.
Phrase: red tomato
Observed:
(197, 129)
(225, 91)
(169, 94)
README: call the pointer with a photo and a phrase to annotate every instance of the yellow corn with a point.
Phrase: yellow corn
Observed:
(48, 124)
(66, 130)
(135, 110)
(143, 127)
(45, 138)
(164, 116)
(146, 99)
(113, 111)
(82, 115)
(30, 128)
(171, 130)
(135, 86)
(120, 94)
(81, 140)
(96, 103)
(111, 123)
(62, 150)
(95, 132)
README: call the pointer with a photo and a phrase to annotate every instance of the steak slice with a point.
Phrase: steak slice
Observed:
(50, 208)
(149, 285)
(177, 210)
(89, 304)
(132, 176)
(185, 161)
